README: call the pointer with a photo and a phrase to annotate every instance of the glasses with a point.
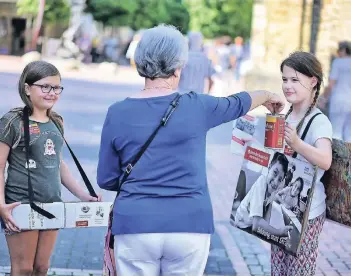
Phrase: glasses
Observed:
(46, 88)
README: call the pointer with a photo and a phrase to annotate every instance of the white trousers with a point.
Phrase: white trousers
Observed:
(166, 254)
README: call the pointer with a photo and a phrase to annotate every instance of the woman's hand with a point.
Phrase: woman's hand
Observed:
(275, 104)
(88, 198)
(291, 137)
(6, 216)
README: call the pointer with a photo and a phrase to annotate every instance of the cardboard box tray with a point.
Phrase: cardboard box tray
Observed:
(68, 215)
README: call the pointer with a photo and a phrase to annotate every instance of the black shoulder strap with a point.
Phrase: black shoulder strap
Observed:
(172, 107)
(28, 153)
(80, 168)
(303, 136)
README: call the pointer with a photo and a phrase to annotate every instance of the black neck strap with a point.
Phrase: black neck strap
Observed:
(28, 154)
(303, 136)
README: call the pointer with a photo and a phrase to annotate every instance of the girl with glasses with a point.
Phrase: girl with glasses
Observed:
(39, 88)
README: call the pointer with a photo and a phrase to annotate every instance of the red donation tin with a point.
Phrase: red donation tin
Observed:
(274, 137)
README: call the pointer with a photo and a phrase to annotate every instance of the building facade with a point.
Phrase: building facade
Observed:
(280, 27)
(15, 30)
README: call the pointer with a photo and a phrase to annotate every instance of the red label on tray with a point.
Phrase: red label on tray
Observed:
(82, 223)
(257, 156)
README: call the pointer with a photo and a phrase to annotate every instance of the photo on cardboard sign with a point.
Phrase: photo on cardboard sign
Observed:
(272, 197)
(246, 124)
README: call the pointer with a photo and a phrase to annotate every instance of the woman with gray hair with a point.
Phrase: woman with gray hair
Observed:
(198, 69)
(162, 217)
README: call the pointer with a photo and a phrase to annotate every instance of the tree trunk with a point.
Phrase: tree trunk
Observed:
(302, 26)
(39, 20)
(316, 16)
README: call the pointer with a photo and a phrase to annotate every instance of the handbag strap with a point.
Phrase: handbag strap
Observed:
(172, 107)
(303, 136)
(28, 153)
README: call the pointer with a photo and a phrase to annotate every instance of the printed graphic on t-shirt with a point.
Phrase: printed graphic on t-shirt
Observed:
(49, 147)
(32, 164)
(34, 128)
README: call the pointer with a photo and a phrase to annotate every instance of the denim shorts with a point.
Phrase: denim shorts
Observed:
(6, 231)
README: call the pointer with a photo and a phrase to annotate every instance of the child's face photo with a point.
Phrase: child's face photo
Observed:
(275, 177)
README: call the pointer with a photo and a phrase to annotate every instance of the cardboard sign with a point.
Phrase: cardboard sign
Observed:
(28, 219)
(273, 195)
(68, 215)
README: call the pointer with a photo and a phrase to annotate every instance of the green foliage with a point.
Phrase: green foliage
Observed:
(111, 12)
(221, 17)
(140, 14)
(56, 11)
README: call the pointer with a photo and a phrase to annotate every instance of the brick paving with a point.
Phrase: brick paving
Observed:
(233, 252)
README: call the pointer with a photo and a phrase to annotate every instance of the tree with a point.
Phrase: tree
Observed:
(55, 10)
(316, 18)
(111, 12)
(178, 15)
(218, 17)
(140, 14)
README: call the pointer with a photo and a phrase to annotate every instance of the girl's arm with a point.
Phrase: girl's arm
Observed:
(320, 154)
(73, 186)
(259, 222)
(6, 209)
(4, 153)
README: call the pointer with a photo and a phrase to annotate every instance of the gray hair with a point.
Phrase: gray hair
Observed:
(160, 52)
(195, 41)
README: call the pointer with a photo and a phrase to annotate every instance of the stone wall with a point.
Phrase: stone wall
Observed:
(276, 32)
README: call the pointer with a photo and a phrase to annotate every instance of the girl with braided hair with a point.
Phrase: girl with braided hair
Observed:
(39, 88)
(302, 77)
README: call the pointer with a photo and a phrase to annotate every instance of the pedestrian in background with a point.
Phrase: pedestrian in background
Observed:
(236, 57)
(198, 69)
(39, 88)
(338, 93)
(162, 218)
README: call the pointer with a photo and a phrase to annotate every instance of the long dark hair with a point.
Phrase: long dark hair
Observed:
(33, 72)
(308, 65)
(300, 190)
